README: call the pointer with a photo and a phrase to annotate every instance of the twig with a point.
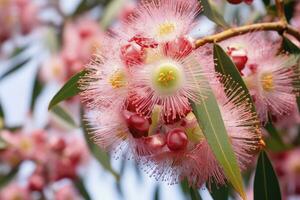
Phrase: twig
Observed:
(280, 10)
(280, 26)
(275, 26)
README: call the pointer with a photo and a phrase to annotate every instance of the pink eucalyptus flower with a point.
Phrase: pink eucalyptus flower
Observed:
(28, 15)
(13, 192)
(273, 86)
(164, 20)
(138, 91)
(81, 39)
(7, 19)
(66, 192)
(272, 79)
(54, 69)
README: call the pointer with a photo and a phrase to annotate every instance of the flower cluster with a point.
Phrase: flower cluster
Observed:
(138, 91)
(81, 39)
(56, 157)
(271, 76)
(21, 13)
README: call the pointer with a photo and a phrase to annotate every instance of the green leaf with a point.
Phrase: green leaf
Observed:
(211, 12)
(17, 51)
(266, 186)
(288, 8)
(87, 5)
(225, 66)
(63, 115)
(15, 68)
(275, 142)
(36, 91)
(69, 90)
(101, 156)
(267, 2)
(1, 117)
(194, 194)
(111, 12)
(3, 143)
(219, 192)
(289, 46)
(78, 182)
(5, 179)
(156, 193)
(210, 119)
(184, 186)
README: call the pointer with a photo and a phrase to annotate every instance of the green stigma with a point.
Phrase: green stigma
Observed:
(167, 78)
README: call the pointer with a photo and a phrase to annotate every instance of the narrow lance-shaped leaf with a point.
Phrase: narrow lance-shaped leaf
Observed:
(194, 194)
(36, 90)
(275, 142)
(69, 89)
(79, 184)
(219, 192)
(5, 179)
(1, 117)
(156, 193)
(15, 68)
(225, 66)
(111, 11)
(101, 156)
(266, 186)
(267, 2)
(211, 12)
(210, 120)
(63, 115)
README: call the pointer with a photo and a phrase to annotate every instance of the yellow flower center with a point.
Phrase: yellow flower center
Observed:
(267, 82)
(117, 79)
(167, 78)
(166, 28)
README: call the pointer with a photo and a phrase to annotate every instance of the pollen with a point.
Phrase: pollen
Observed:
(166, 28)
(167, 78)
(117, 79)
(267, 82)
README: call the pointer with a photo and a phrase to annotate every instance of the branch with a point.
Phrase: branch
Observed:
(276, 26)
(270, 26)
(280, 10)
(280, 26)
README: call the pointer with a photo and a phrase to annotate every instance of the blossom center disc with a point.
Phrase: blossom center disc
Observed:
(165, 29)
(267, 82)
(117, 79)
(167, 78)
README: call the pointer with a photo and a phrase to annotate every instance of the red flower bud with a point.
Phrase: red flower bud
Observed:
(36, 182)
(138, 126)
(177, 140)
(234, 1)
(239, 57)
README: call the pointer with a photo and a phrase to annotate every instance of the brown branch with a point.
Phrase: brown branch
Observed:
(280, 10)
(275, 26)
(280, 26)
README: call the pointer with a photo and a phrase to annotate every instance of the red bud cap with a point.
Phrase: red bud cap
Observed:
(239, 57)
(36, 182)
(235, 1)
(248, 1)
(138, 126)
(177, 140)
